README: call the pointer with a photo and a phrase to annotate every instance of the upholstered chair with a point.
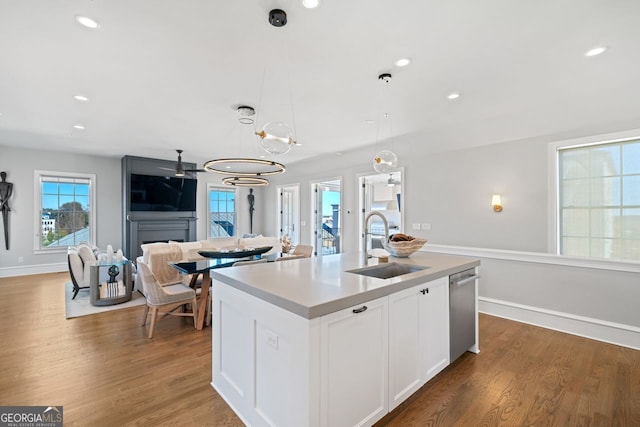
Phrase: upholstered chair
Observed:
(290, 257)
(168, 298)
(76, 271)
(79, 258)
(305, 250)
(300, 251)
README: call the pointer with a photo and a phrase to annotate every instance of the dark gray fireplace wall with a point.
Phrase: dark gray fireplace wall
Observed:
(146, 227)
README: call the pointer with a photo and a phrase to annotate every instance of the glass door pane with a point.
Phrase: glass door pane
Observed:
(289, 213)
(327, 211)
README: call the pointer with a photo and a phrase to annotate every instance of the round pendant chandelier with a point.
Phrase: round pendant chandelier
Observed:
(244, 167)
(245, 181)
(244, 171)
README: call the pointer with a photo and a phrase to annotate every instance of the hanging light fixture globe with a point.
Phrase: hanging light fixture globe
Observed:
(384, 161)
(276, 138)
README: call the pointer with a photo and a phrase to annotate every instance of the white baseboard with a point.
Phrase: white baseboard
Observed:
(610, 332)
(27, 270)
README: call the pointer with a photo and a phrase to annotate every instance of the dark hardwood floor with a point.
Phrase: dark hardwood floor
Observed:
(105, 372)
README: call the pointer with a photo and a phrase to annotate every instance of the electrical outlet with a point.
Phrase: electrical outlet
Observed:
(426, 226)
(272, 339)
(20, 259)
(415, 226)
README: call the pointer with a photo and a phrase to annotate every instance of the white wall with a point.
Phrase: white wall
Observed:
(19, 165)
(450, 190)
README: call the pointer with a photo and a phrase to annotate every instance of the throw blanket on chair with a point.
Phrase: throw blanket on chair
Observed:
(158, 259)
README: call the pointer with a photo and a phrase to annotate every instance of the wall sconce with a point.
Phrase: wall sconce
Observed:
(496, 203)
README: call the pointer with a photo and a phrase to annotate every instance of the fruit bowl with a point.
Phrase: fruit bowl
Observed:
(404, 248)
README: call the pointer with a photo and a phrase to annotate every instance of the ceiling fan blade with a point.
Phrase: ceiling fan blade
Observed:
(180, 170)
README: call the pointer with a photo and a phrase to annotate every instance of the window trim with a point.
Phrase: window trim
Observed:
(37, 203)
(554, 182)
(237, 209)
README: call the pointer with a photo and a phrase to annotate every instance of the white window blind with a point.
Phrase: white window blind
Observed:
(599, 200)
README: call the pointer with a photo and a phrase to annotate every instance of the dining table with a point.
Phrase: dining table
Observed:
(214, 259)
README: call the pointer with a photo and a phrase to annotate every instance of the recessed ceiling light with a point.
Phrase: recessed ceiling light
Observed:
(402, 62)
(80, 98)
(369, 122)
(87, 22)
(310, 4)
(453, 95)
(596, 51)
(79, 127)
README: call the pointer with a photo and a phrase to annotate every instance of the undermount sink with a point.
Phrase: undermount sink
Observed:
(387, 271)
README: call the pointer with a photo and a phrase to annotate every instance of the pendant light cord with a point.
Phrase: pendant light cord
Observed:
(255, 123)
(390, 129)
(293, 114)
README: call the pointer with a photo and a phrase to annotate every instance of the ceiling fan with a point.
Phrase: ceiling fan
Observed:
(180, 170)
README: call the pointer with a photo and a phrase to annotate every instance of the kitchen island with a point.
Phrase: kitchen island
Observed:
(313, 342)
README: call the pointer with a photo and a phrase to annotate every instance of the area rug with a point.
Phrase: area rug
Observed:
(82, 307)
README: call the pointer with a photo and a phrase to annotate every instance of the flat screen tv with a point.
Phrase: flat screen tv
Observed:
(162, 193)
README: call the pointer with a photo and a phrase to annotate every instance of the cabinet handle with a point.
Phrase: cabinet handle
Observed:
(359, 310)
(424, 291)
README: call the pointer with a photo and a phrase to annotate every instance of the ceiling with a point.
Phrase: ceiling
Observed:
(165, 74)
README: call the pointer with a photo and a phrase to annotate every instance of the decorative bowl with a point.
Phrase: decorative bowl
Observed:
(403, 249)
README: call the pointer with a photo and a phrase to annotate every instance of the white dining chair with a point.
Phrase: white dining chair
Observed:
(168, 298)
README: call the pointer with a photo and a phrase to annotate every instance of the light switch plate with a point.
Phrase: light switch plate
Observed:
(415, 226)
(426, 226)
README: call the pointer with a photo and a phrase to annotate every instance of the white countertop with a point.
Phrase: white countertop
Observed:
(313, 287)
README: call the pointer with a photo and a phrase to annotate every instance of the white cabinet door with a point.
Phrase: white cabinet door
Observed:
(405, 344)
(233, 348)
(434, 319)
(418, 337)
(354, 364)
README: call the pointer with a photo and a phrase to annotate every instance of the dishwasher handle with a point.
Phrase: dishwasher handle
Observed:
(466, 280)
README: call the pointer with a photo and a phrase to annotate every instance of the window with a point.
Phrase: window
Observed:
(599, 200)
(222, 212)
(65, 210)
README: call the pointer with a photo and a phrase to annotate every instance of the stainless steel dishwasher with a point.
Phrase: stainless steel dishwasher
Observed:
(462, 312)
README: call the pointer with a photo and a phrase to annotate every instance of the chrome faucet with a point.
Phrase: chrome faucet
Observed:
(366, 231)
